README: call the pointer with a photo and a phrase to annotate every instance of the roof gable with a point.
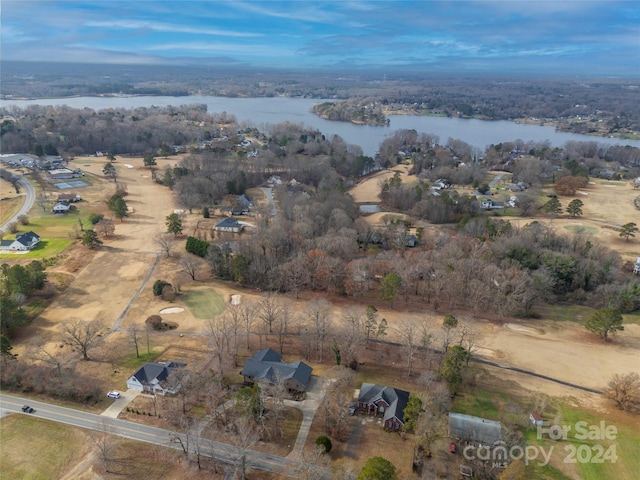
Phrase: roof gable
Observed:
(27, 239)
(156, 371)
(267, 365)
(396, 399)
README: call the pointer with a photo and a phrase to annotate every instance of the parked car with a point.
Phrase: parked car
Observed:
(113, 394)
(27, 409)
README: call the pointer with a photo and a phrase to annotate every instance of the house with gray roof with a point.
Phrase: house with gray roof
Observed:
(229, 225)
(23, 242)
(155, 378)
(267, 366)
(386, 401)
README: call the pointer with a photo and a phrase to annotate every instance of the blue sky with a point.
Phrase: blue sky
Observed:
(546, 37)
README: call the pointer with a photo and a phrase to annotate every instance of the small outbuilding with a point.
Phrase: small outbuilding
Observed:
(472, 429)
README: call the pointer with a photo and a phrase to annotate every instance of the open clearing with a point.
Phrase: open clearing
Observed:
(26, 452)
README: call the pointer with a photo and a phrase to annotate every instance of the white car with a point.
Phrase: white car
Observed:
(113, 394)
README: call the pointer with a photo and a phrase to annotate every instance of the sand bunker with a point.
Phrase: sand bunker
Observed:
(172, 310)
(487, 352)
(522, 329)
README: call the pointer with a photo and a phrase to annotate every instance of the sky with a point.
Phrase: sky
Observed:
(546, 37)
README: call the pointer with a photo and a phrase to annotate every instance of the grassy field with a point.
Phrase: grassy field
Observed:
(581, 229)
(203, 303)
(9, 207)
(48, 247)
(28, 454)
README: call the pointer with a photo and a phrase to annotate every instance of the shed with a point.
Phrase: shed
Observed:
(474, 429)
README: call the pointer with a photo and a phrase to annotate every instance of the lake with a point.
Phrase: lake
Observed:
(260, 112)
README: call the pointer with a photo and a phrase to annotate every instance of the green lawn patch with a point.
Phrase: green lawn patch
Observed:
(48, 247)
(565, 313)
(582, 229)
(131, 362)
(36, 449)
(203, 303)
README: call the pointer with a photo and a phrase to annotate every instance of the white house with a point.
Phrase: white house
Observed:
(229, 225)
(61, 207)
(154, 378)
(23, 242)
(636, 267)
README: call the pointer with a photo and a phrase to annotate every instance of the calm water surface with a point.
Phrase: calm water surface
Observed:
(260, 112)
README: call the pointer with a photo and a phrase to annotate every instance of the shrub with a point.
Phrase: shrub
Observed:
(95, 218)
(197, 247)
(325, 442)
(155, 322)
(13, 227)
(205, 212)
(158, 287)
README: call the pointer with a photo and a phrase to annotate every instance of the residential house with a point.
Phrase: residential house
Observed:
(468, 428)
(23, 242)
(266, 366)
(386, 401)
(155, 378)
(61, 207)
(491, 205)
(69, 197)
(229, 225)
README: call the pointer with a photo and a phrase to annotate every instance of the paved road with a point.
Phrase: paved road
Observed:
(30, 199)
(222, 452)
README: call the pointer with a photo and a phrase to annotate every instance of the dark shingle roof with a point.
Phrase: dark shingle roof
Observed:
(267, 365)
(228, 222)
(397, 399)
(27, 239)
(159, 371)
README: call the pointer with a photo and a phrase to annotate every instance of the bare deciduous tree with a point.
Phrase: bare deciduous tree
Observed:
(106, 445)
(408, 331)
(318, 314)
(269, 309)
(624, 390)
(163, 241)
(135, 338)
(81, 335)
(190, 264)
(245, 437)
(38, 352)
(219, 330)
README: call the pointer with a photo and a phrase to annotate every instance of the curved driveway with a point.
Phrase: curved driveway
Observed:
(30, 199)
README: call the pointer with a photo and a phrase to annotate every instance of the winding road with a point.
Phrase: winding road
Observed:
(30, 199)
